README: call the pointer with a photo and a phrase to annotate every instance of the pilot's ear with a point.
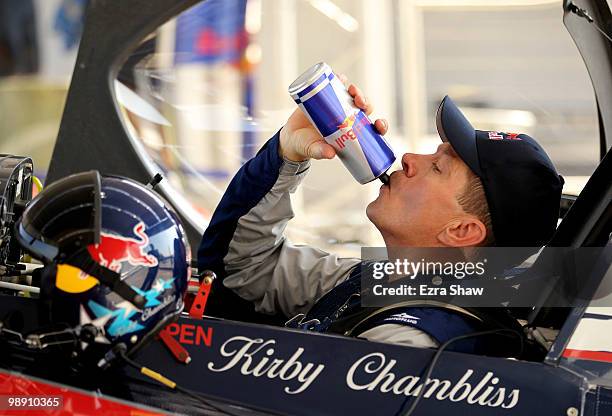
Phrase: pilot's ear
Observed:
(466, 231)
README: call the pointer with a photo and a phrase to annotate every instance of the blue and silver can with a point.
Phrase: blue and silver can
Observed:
(329, 107)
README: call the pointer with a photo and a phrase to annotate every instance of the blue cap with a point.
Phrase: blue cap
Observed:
(521, 184)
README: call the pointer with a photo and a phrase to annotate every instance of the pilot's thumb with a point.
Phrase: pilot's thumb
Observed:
(320, 150)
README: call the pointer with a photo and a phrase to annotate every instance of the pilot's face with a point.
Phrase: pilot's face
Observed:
(420, 199)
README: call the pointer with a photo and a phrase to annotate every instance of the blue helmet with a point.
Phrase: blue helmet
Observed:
(116, 259)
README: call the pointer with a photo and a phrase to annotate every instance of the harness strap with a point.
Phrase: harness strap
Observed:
(82, 260)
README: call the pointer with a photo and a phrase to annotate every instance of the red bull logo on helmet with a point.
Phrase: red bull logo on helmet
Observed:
(350, 127)
(113, 250)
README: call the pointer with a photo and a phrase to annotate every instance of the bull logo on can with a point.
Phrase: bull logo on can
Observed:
(113, 250)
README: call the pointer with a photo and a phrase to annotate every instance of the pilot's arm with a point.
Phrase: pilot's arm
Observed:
(245, 242)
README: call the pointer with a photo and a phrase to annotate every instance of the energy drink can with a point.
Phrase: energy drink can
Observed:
(329, 107)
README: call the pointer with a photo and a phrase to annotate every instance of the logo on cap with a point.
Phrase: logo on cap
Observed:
(494, 135)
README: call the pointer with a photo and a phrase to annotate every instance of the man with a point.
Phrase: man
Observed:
(478, 189)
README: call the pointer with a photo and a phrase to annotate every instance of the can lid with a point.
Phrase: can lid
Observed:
(308, 77)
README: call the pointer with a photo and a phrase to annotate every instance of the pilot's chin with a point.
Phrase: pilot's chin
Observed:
(372, 210)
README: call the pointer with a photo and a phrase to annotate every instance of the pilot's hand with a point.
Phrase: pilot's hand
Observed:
(300, 140)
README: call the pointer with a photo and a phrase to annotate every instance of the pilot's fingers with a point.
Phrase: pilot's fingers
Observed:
(382, 126)
(360, 99)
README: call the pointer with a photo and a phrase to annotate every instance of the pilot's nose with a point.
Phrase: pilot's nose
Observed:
(409, 164)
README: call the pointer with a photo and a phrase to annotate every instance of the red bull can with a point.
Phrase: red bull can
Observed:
(329, 107)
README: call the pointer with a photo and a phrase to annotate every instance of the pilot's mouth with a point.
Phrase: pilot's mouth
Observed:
(390, 179)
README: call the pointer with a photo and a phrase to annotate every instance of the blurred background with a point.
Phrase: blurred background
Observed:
(205, 90)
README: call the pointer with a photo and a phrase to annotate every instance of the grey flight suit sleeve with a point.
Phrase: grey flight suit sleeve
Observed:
(265, 268)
